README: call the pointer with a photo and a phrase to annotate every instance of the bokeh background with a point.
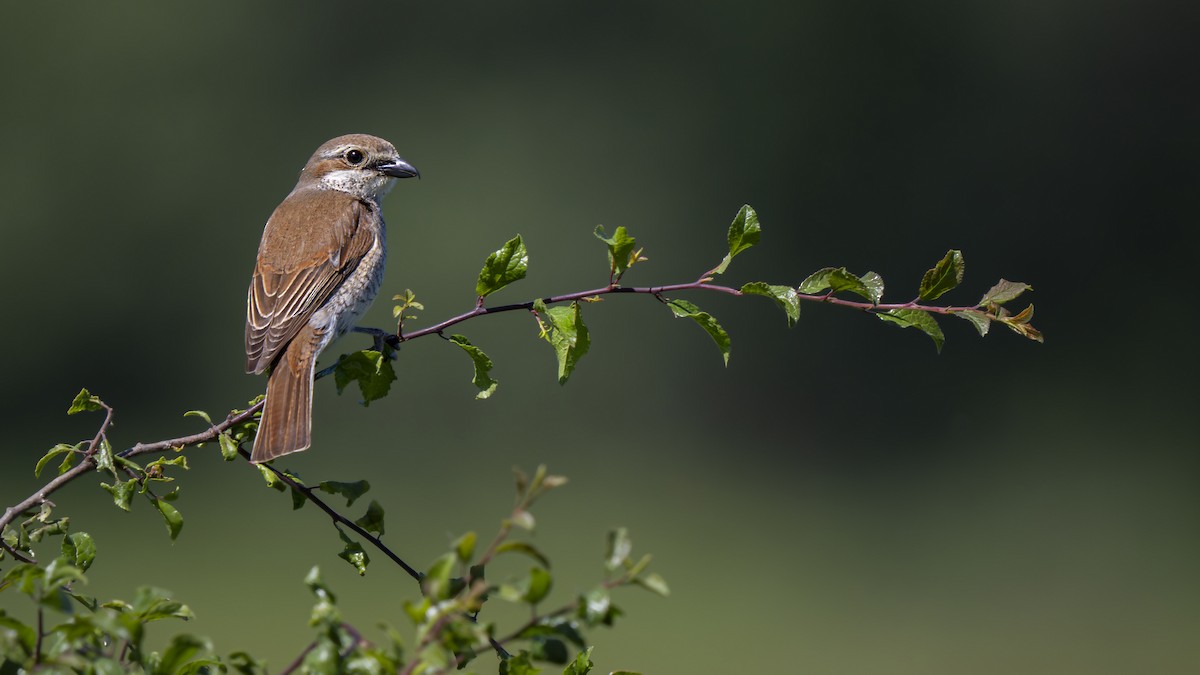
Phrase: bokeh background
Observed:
(840, 499)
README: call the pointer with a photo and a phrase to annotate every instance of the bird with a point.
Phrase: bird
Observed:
(319, 266)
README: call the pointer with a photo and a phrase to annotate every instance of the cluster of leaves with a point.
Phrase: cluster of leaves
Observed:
(110, 637)
(563, 327)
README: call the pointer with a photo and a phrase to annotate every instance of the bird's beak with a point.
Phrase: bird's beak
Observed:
(398, 168)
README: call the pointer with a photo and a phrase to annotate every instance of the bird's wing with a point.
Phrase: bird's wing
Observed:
(312, 242)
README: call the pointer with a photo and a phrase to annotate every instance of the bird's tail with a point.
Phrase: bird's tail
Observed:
(286, 423)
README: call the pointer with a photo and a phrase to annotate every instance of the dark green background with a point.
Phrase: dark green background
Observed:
(840, 499)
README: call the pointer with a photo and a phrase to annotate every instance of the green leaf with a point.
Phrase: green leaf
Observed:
(464, 547)
(503, 267)
(370, 369)
(916, 318)
(199, 413)
(837, 279)
(372, 520)
(683, 308)
(596, 608)
(784, 296)
(582, 664)
(619, 548)
(944, 276)
(171, 515)
(354, 554)
(79, 549)
(84, 402)
(229, 447)
(540, 582)
(122, 492)
(483, 366)
(744, 232)
(55, 451)
(437, 579)
(104, 457)
(522, 519)
(520, 664)
(569, 337)
(351, 491)
(177, 658)
(873, 283)
(980, 320)
(524, 548)
(655, 583)
(622, 253)
(270, 478)
(153, 604)
(1003, 291)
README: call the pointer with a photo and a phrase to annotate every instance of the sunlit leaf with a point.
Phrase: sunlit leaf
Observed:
(503, 267)
(372, 520)
(354, 554)
(784, 296)
(84, 402)
(569, 337)
(916, 318)
(980, 320)
(372, 371)
(621, 250)
(171, 516)
(683, 308)
(1002, 292)
(483, 366)
(744, 232)
(944, 276)
(79, 549)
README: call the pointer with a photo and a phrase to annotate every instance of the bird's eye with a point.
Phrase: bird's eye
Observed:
(354, 157)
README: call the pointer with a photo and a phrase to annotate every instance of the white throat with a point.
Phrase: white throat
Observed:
(362, 184)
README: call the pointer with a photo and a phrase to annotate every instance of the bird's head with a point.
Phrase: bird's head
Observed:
(358, 164)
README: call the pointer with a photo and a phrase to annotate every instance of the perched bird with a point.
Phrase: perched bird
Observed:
(319, 267)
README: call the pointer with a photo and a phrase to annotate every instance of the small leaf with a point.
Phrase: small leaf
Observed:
(538, 586)
(199, 413)
(981, 320)
(503, 267)
(351, 491)
(229, 447)
(619, 548)
(104, 457)
(1003, 291)
(1019, 323)
(85, 401)
(55, 451)
(372, 520)
(784, 296)
(621, 251)
(524, 548)
(944, 276)
(518, 665)
(79, 549)
(122, 492)
(171, 515)
(744, 232)
(483, 366)
(436, 581)
(581, 665)
(569, 337)
(464, 547)
(916, 318)
(271, 479)
(370, 369)
(177, 658)
(523, 519)
(655, 583)
(837, 279)
(873, 283)
(683, 308)
(354, 554)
